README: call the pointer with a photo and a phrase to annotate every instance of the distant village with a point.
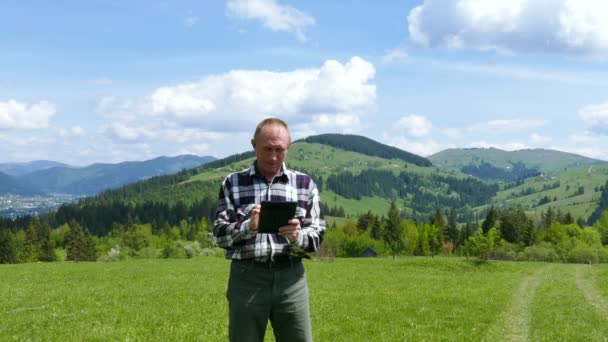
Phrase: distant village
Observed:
(12, 206)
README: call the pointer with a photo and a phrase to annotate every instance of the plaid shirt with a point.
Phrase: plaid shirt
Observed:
(241, 191)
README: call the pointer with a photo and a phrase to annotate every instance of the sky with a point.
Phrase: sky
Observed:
(108, 81)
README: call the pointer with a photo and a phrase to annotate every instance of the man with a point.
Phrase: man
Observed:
(267, 279)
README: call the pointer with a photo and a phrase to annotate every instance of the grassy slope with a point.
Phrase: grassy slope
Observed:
(579, 206)
(351, 300)
(546, 161)
(322, 161)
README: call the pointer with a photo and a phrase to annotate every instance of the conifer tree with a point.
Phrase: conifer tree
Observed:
(47, 250)
(8, 247)
(81, 245)
(452, 227)
(393, 231)
(491, 218)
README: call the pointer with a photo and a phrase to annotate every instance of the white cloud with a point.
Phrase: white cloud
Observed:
(74, 131)
(596, 117)
(414, 125)
(333, 95)
(273, 15)
(504, 126)
(395, 55)
(537, 138)
(510, 146)
(553, 26)
(14, 114)
(420, 147)
(584, 138)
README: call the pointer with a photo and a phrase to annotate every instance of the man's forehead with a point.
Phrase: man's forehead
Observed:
(274, 132)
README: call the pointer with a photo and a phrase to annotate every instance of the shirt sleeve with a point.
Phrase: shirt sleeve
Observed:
(229, 229)
(313, 225)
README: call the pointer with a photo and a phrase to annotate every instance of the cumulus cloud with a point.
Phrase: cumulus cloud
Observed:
(552, 26)
(273, 15)
(596, 117)
(414, 125)
(15, 114)
(424, 147)
(331, 97)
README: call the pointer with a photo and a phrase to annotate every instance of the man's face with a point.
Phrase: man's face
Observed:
(271, 149)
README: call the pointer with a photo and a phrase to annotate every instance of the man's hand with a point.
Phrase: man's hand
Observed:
(254, 219)
(292, 230)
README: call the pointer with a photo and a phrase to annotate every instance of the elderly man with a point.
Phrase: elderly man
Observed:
(267, 279)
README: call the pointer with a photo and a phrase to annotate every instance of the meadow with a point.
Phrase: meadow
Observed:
(379, 299)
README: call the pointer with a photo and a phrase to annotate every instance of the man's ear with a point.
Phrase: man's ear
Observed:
(253, 143)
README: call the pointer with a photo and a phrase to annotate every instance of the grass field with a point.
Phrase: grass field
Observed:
(413, 299)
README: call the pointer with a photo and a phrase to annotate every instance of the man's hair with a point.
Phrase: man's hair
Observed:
(268, 122)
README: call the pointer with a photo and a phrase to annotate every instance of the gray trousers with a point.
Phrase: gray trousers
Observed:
(257, 294)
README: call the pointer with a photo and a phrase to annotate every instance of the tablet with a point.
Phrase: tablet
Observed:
(274, 215)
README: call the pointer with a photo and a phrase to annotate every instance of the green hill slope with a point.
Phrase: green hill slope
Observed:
(492, 163)
(576, 191)
(367, 146)
(351, 183)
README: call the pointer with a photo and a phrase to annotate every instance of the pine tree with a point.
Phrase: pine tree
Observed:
(47, 250)
(491, 218)
(8, 247)
(81, 245)
(393, 231)
(31, 246)
(452, 227)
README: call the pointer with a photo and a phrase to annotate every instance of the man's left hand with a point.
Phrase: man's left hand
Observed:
(291, 231)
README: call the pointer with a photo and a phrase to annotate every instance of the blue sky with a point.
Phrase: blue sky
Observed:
(108, 81)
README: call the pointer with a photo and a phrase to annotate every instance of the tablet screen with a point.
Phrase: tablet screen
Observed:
(274, 215)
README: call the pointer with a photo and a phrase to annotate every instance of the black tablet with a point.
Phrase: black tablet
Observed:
(274, 215)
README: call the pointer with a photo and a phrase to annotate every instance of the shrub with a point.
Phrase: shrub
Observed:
(192, 249)
(544, 251)
(583, 254)
(508, 251)
(114, 254)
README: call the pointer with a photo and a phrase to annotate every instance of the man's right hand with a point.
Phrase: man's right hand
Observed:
(254, 219)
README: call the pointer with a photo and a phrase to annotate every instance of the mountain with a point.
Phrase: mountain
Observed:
(495, 164)
(367, 146)
(95, 178)
(11, 185)
(19, 169)
(351, 184)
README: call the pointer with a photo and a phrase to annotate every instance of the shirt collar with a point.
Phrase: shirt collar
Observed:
(285, 173)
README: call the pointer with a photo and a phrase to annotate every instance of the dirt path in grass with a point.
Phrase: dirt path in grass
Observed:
(513, 324)
(592, 295)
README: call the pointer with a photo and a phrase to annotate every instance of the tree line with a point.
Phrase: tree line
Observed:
(507, 234)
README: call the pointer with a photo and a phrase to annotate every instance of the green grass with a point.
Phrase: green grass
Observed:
(560, 311)
(417, 299)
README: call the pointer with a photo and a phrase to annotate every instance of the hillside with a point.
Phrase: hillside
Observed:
(577, 191)
(11, 185)
(492, 163)
(351, 183)
(19, 169)
(367, 146)
(95, 178)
